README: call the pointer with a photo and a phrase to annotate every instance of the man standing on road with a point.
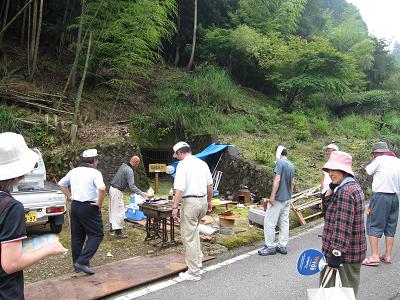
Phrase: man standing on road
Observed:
(85, 187)
(193, 187)
(123, 179)
(383, 209)
(278, 205)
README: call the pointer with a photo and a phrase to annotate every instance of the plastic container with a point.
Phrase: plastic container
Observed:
(226, 230)
(134, 214)
(204, 229)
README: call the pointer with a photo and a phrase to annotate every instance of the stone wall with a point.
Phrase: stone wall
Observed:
(111, 157)
(238, 172)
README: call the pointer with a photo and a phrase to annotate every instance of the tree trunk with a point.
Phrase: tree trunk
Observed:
(189, 67)
(78, 46)
(34, 30)
(62, 38)
(23, 29)
(37, 42)
(289, 99)
(28, 35)
(80, 88)
(178, 42)
(4, 22)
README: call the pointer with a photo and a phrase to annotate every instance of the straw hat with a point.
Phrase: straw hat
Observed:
(16, 159)
(339, 160)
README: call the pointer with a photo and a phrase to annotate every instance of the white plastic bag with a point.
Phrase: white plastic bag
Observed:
(338, 292)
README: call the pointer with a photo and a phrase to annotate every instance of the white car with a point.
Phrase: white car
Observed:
(43, 201)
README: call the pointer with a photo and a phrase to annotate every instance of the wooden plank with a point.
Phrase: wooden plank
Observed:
(109, 279)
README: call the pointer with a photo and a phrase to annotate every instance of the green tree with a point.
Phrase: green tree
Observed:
(128, 36)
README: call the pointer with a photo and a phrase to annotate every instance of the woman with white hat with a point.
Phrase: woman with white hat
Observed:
(16, 160)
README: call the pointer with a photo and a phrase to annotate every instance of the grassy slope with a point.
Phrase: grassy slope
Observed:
(208, 101)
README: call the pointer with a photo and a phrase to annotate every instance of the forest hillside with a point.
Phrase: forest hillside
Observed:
(256, 73)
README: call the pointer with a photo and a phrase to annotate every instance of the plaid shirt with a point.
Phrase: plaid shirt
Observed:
(344, 224)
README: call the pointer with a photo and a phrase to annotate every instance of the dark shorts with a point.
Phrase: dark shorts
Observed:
(383, 213)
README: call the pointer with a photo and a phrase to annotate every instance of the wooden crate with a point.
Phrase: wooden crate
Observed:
(311, 197)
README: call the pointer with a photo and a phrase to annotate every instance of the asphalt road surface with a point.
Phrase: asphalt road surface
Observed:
(276, 277)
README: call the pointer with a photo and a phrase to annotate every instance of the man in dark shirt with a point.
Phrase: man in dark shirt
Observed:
(123, 179)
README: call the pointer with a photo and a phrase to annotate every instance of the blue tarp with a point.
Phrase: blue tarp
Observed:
(211, 149)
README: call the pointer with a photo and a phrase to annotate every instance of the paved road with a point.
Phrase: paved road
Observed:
(275, 277)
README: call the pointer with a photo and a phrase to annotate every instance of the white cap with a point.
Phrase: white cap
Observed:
(332, 146)
(178, 146)
(16, 159)
(90, 153)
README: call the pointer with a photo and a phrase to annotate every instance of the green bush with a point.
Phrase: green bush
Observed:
(299, 122)
(8, 122)
(356, 126)
(320, 126)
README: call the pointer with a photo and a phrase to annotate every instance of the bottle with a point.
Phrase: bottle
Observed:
(171, 194)
(132, 198)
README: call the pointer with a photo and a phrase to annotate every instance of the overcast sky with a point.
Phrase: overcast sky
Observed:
(382, 17)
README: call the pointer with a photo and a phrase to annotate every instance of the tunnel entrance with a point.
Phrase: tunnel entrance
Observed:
(156, 156)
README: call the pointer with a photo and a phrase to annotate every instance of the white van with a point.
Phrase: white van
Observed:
(43, 201)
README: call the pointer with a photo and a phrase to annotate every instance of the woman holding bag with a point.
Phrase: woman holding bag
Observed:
(16, 160)
(343, 238)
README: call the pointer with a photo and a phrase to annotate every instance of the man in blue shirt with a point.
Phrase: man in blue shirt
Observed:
(278, 205)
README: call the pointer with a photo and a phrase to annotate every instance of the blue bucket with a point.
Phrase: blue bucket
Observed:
(135, 215)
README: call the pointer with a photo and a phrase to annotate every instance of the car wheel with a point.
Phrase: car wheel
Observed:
(55, 228)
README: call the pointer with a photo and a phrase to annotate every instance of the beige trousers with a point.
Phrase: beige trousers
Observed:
(116, 208)
(192, 210)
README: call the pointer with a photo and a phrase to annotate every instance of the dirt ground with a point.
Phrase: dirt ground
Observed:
(113, 249)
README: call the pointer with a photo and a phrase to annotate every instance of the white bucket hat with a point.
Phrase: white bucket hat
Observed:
(16, 159)
(332, 146)
(90, 153)
(178, 146)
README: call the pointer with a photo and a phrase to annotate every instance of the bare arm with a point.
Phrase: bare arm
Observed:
(322, 181)
(14, 260)
(209, 197)
(177, 200)
(102, 194)
(292, 186)
(275, 187)
(66, 192)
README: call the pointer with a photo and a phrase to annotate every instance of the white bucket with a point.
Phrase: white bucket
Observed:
(207, 230)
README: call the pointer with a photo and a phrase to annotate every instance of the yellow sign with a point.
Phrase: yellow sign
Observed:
(30, 217)
(157, 168)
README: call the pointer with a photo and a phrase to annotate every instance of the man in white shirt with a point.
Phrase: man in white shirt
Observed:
(84, 185)
(383, 209)
(193, 187)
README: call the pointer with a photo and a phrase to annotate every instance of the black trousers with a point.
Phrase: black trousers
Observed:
(86, 225)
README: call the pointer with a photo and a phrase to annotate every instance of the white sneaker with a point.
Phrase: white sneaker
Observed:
(187, 276)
